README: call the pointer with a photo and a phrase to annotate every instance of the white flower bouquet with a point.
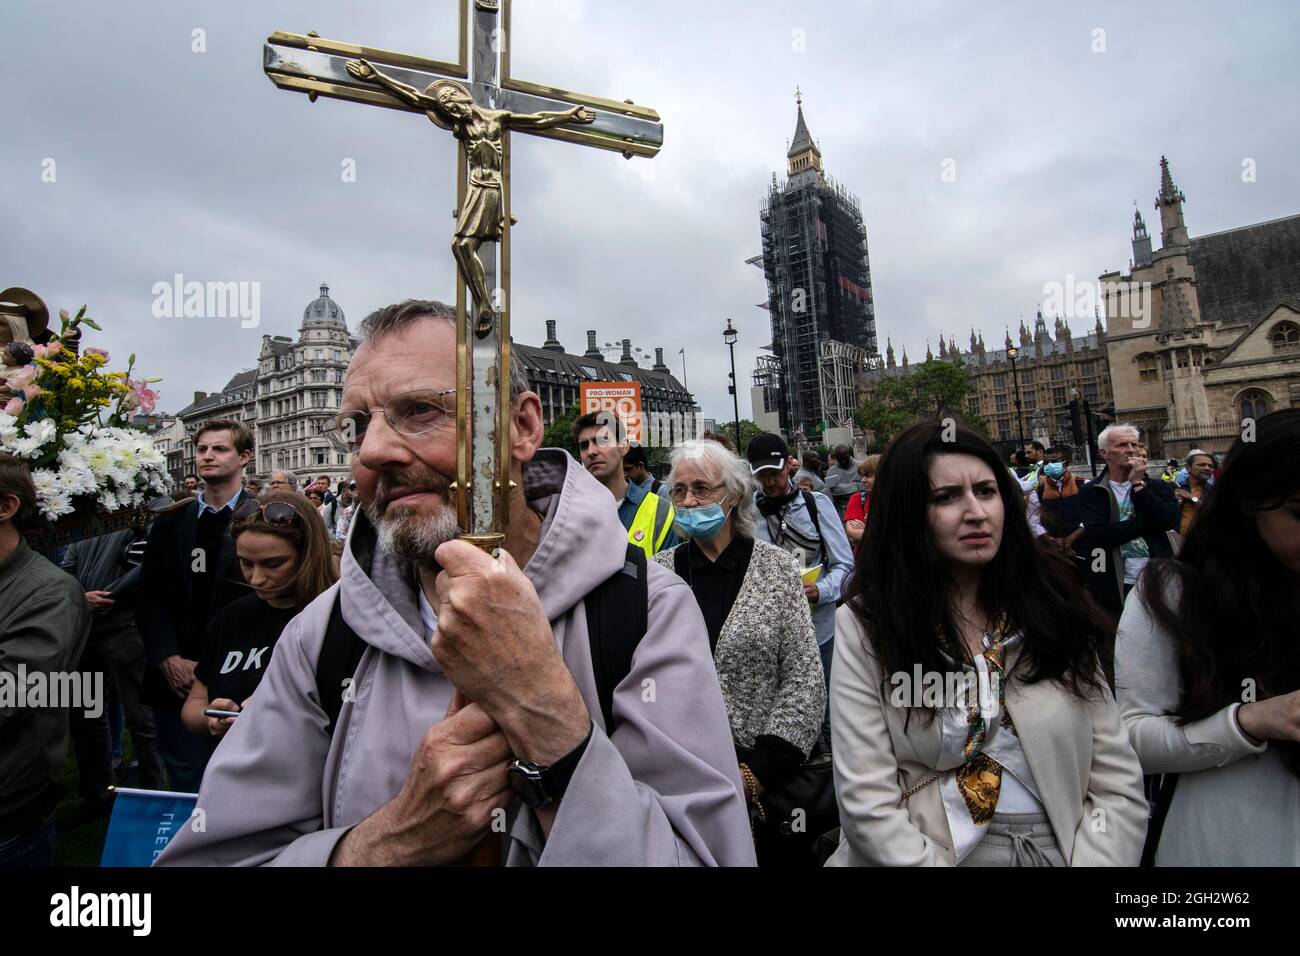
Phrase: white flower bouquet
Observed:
(89, 467)
(67, 417)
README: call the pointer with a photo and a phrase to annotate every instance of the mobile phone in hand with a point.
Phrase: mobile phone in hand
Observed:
(213, 712)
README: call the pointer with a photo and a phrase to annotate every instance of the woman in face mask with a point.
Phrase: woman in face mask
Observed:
(760, 630)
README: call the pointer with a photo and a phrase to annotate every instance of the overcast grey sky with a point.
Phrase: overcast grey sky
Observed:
(174, 161)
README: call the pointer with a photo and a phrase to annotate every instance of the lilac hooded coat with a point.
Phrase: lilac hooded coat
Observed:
(664, 790)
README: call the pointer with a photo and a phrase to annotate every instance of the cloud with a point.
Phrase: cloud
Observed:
(174, 161)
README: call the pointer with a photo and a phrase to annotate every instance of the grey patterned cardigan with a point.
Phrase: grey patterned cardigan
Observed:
(767, 659)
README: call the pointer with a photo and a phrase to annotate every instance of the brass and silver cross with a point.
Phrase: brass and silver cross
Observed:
(480, 103)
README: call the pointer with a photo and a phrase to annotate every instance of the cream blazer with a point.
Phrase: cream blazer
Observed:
(1086, 770)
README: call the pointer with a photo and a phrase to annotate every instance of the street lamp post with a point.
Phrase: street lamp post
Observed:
(729, 336)
(1012, 352)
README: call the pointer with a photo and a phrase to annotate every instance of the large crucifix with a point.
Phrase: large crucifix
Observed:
(480, 114)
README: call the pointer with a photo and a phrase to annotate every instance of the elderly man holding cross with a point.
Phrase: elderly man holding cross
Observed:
(556, 705)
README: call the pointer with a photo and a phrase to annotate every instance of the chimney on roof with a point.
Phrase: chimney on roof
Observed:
(199, 396)
(551, 343)
(627, 358)
(592, 350)
(659, 365)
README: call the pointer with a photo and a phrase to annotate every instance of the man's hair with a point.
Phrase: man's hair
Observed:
(605, 419)
(722, 440)
(1065, 451)
(1103, 440)
(1199, 453)
(289, 477)
(324, 478)
(16, 480)
(811, 460)
(190, 475)
(240, 435)
(1038, 445)
(401, 315)
(635, 456)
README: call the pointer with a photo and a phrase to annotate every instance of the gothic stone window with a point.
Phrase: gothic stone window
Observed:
(1147, 370)
(1285, 337)
(1254, 403)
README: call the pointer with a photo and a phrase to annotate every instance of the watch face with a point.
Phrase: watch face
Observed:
(526, 781)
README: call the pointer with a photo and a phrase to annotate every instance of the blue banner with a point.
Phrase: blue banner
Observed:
(143, 823)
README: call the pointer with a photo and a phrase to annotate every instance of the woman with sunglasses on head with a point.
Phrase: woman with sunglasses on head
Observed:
(1207, 666)
(760, 629)
(284, 554)
(970, 721)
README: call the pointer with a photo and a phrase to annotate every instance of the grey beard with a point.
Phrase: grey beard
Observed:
(414, 538)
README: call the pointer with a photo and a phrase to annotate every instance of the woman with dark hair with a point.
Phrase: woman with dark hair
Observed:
(1207, 665)
(970, 722)
(285, 556)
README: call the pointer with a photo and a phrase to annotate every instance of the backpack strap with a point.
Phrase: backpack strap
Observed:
(340, 653)
(614, 633)
(811, 504)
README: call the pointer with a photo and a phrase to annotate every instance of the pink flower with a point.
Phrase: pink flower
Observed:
(31, 391)
(14, 406)
(100, 352)
(23, 376)
(145, 395)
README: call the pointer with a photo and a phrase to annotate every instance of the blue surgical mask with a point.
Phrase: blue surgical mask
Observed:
(1054, 469)
(701, 523)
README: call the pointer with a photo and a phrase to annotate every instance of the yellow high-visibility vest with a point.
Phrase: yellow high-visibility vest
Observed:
(654, 519)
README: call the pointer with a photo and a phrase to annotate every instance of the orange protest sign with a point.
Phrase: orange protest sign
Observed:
(621, 398)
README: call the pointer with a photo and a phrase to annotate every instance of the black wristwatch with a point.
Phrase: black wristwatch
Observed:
(541, 786)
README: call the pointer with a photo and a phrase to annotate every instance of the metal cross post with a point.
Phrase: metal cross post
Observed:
(481, 116)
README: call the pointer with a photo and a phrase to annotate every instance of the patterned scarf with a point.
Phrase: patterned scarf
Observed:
(979, 779)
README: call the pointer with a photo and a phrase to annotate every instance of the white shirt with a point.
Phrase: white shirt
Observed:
(1018, 792)
(428, 616)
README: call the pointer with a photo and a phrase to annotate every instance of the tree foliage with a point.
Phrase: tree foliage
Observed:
(559, 434)
(748, 431)
(934, 390)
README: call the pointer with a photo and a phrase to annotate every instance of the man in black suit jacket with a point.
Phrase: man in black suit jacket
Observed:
(190, 572)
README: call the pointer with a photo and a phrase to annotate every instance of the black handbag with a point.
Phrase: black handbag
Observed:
(1160, 794)
(791, 817)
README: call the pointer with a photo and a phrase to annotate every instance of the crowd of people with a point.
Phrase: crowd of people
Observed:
(918, 657)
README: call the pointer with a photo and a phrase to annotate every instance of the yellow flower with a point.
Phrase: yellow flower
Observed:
(76, 383)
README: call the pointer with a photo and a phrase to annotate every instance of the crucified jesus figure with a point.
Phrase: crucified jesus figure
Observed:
(449, 105)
